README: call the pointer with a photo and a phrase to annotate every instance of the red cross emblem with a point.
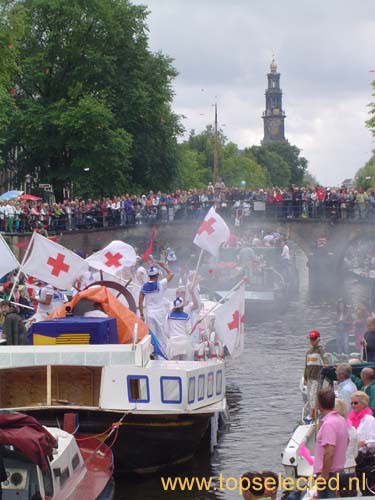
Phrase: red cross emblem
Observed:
(113, 260)
(207, 226)
(235, 323)
(58, 264)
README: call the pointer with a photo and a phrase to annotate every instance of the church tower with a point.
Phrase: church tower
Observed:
(274, 116)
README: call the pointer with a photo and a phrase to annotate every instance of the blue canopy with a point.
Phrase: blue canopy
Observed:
(9, 195)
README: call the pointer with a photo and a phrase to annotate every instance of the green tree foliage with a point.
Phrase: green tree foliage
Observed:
(291, 155)
(309, 180)
(236, 169)
(191, 172)
(370, 123)
(278, 170)
(89, 94)
(365, 177)
(234, 165)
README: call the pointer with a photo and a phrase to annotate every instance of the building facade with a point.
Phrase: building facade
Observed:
(274, 115)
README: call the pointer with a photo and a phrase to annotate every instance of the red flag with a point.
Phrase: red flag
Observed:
(150, 245)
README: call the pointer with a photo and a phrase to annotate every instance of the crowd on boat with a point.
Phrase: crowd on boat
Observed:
(237, 203)
(173, 320)
(333, 452)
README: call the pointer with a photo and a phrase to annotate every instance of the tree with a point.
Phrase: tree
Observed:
(90, 94)
(236, 169)
(309, 180)
(370, 123)
(365, 176)
(191, 172)
(291, 155)
(278, 170)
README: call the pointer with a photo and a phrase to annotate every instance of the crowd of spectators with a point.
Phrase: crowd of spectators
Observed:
(238, 203)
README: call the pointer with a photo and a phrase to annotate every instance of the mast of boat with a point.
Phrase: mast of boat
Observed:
(216, 151)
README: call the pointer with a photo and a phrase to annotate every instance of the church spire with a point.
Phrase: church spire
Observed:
(274, 115)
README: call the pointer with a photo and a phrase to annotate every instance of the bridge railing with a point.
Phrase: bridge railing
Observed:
(237, 212)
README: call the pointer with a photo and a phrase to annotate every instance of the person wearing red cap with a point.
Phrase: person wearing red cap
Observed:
(314, 361)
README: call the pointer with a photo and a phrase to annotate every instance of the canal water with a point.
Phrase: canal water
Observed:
(264, 403)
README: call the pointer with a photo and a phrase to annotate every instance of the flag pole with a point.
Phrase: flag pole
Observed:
(197, 268)
(17, 304)
(22, 264)
(219, 302)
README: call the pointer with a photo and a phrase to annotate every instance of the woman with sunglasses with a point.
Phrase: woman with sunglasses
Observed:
(362, 419)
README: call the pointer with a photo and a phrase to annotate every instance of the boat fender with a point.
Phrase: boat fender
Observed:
(219, 349)
(202, 351)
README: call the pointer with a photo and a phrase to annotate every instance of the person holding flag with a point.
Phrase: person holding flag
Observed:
(151, 302)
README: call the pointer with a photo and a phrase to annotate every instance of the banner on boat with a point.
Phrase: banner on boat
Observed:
(229, 322)
(53, 263)
(212, 233)
(8, 261)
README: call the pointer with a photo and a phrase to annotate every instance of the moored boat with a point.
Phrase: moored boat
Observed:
(40, 462)
(162, 409)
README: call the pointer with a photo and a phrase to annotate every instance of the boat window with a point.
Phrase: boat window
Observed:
(210, 384)
(191, 396)
(219, 382)
(75, 461)
(64, 476)
(138, 389)
(171, 389)
(200, 387)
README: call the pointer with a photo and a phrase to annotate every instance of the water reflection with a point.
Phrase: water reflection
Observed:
(263, 398)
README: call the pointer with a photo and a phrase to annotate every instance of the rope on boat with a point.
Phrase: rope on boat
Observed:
(113, 429)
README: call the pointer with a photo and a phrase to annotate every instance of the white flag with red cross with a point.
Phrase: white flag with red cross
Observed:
(229, 322)
(8, 262)
(53, 263)
(212, 233)
(113, 258)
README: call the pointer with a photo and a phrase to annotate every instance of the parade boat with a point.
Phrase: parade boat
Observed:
(267, 292)
(162, 409)
(298, 455)
(45, 462)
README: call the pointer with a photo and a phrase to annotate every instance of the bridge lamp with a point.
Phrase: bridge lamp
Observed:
(87, 169)
(243, 183)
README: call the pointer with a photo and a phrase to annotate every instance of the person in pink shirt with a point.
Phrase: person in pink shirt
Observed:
(331, 442)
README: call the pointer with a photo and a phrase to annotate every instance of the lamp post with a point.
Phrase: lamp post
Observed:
(28, 179)
(216, 152)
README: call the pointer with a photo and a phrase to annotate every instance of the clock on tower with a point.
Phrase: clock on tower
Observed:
(273, 116)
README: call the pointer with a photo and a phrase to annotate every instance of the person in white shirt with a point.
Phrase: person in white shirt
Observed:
(151, 302)
(362, 419)
(141, 272)
(285, 254)
(346, 386)
(48, 299)
(352, 449)
(178, 330)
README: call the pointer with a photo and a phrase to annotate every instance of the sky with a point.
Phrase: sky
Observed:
(324, 49)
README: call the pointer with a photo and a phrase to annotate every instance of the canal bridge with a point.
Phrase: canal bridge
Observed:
(315, 237)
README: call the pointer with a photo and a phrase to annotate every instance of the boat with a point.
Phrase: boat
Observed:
(296, 457)
(267, 291)
(46, 462)
(163, 409)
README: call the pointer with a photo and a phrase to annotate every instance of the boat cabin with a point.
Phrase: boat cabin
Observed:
(108, 377)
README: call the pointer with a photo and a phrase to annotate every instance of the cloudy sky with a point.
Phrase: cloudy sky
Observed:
(324, 50)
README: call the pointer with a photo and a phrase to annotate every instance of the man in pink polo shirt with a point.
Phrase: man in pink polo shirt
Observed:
(331, 442)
